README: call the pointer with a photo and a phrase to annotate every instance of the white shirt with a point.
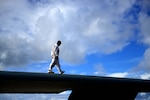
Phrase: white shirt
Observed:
(55, 51)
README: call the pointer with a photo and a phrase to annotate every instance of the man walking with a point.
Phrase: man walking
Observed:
(55, 58)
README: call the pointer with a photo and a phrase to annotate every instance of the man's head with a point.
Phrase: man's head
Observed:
(58, 42)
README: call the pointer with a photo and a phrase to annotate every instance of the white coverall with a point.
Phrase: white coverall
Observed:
(55, 58)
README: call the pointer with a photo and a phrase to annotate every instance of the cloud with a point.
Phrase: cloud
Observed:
(144, 64)
(145, 76)
(144, 22)
(122, 75)
(141, 70)
(145, 30)
(35, 96)
(28, 31)
(143, 37)
(17, 44)
(99, 69)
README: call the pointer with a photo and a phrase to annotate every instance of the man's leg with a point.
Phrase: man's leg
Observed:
(52, 64)
(58, 67)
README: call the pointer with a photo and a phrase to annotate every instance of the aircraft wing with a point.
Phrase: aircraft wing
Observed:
(82, 86)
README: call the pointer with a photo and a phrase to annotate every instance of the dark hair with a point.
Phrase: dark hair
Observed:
(59, 42)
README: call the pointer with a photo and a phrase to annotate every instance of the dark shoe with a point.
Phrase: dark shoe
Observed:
(62, 72)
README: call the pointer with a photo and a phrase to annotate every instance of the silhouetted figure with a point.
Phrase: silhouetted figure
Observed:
(55, 58)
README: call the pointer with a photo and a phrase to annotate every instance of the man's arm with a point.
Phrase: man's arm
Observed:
(56, 52)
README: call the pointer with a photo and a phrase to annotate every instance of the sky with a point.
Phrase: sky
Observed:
(99, 37)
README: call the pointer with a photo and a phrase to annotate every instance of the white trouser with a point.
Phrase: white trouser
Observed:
(53, 63)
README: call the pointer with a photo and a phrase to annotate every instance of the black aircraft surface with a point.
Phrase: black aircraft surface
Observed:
(83, 87)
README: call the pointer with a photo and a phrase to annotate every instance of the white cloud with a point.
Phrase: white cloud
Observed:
(122, 75)
(145, 76)
(141, 71)
(144, 64)
(35, 96)
(144, 36)
(61, 96)
(30, 29)
(145, 30)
